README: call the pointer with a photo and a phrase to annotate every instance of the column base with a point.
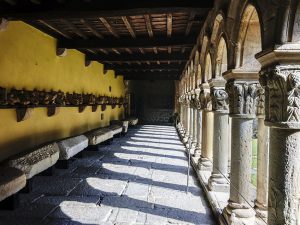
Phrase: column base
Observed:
(197, 152)
(204, 164)
(185, 140)
(261, 210)
(238, 214)
(218, 183)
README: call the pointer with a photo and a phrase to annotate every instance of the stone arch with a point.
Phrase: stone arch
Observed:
(216, 28)
(295, 22)
(196, 64)
(203, 51)
(208, 68)
(221, 63)
(249, 41)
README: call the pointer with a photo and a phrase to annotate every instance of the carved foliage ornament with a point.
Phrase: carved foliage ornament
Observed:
(219, 99)
(205, 100)
(242, 97)
(282, 93)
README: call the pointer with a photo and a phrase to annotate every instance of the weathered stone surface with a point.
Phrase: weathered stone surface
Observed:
(36, 161)
(98, 136)
(71, 146)
(133, 121)
(123, 123)
(12, 180)
(116, 129)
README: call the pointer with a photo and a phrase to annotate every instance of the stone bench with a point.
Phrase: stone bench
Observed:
(99, 136)
(36, 161)
(133, 121)
(116, 129)
(12, 180)
(123, 123)
(70, 147)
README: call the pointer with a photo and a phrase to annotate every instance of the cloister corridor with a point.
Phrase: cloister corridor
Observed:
(138, 179)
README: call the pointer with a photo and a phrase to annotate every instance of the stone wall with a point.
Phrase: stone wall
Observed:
(153, 100)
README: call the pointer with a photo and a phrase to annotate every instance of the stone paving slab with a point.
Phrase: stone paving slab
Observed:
(140, 179)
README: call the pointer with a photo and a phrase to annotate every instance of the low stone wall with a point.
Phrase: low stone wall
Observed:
(157, 116)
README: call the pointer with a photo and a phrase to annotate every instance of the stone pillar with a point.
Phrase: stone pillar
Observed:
(218, 180)
(261, 201)
(191, 126)
(242, 102)
(188, 119)
(198, 125)
(205, 161)
(280, 76)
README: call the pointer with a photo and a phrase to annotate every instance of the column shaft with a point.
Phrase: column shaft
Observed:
(199, 134)
(218, 180)
(262, 168)
(240, 176)
(207, 141)
(284, 180)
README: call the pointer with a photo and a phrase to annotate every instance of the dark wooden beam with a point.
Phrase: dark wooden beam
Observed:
(108, 27)
(109, 43)
(169, 24)
(151, 75)
(148, 25)
(171, 67)
(128, 26)
(87, 25)
(53, 28)
(74, 29)
(92, 9)
(139, 57)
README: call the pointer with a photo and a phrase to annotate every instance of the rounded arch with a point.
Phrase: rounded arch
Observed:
(295, 22)
(249, 40)
(208, 68)
(204, 48)
(221, 58)
(196, 72)
(216, 27)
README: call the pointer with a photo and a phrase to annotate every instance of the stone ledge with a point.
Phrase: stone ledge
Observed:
(99, 136)
(36, 161)
(12, 180)
(71, 146)
(123, 123)
(116, 129)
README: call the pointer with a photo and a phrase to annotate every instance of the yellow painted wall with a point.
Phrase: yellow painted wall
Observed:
(28, 60)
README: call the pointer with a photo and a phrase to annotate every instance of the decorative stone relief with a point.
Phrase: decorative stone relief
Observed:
(205, 100)
(24, 101)
(242, 97)
(282, 93)
(219, 99)
(260, 101)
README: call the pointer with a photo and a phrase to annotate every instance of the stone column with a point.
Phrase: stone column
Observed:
(242, 102)
(218, 180)
(198, 125)
(191, 125)
(280, 76)
(185, 120)
(261, 201)
(188, 119)
(205, 161)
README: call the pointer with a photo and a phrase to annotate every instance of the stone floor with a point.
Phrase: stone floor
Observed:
(139, 179)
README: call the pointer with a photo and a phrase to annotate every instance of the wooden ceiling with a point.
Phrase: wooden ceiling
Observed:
(140, 39)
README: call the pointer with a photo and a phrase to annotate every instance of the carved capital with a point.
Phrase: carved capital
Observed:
(260, 107)
(220, 101)
(242, 97)
(205, 100)
(282, 95)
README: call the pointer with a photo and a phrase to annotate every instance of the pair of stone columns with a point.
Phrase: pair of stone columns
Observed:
(280, 78)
